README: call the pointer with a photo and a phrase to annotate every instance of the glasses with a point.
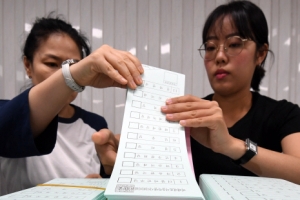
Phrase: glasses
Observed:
(232, 47)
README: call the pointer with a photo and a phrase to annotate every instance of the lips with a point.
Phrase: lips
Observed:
(221, 73)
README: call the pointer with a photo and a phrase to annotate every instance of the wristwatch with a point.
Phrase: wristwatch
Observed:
(251, 150)
(68, 77)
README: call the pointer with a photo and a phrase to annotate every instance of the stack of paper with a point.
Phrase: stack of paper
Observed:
(152, 160)
(226, 187)
(63, 188)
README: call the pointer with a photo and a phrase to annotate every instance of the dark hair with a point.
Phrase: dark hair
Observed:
(44, 27)
(250, 22)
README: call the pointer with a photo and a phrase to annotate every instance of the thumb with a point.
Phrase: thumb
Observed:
(93, 176)
(102, 137)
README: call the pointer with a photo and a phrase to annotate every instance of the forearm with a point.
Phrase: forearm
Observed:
(269, 163)
(266, 163)
(106, 67)
(46, 100)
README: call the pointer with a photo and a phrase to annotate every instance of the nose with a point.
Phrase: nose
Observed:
(221, 46)
(221, 54)
(221, 50)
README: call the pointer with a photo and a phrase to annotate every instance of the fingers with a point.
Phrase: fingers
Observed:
(212, 122)
(126, 65)
(196, 113)
(183, 99)
(103, 137)
(117, 136)
(191, 111)
(93, 176)
(106, 146)
(185, 104)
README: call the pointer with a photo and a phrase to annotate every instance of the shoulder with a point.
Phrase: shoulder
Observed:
(92, 119)
(274, 105)
(278, 117)
(208, 97)
(281, 116)
(2, 102)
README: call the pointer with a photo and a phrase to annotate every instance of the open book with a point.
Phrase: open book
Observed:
(152, 160)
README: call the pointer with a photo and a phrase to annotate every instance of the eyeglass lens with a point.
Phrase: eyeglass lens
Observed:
(232, 46)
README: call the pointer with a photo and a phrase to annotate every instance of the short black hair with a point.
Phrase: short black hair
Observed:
(250, 22)
(44, 27)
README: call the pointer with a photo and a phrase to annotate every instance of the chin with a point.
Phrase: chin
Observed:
(223, 90)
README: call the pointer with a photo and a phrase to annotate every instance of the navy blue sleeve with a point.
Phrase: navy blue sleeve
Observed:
(16, 138)
(97, 122)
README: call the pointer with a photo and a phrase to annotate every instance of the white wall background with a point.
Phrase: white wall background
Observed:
(162, 33)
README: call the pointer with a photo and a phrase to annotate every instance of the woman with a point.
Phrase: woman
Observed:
(28, 123)
(235, 38)
(50, 42)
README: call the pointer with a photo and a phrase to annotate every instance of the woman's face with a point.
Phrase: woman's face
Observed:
(49, 56)
(230, 74)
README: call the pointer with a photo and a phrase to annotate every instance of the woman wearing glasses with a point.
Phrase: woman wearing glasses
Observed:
(237, 131)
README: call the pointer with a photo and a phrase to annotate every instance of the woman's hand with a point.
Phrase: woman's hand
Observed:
(106, 144)
(107, 67)
(205, 119)
(93, 176)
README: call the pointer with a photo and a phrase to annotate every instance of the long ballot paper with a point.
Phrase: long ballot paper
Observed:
(152, 160)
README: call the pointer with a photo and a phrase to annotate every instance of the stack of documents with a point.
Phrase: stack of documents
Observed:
(226, 187)
(152, 160)
(63, 188)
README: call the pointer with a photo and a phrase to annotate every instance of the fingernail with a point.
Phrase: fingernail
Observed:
(169, 101)
(140, 68)
(182, 122)
(139, 79)
(132, 84)
(124, 81)
(164, 108)
(170, 116)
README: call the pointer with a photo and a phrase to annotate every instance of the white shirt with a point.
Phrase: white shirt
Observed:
(74, 156)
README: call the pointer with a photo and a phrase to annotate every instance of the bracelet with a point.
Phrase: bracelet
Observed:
(68, 77)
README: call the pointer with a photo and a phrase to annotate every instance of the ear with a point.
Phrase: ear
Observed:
(261, 54)
(27, 66)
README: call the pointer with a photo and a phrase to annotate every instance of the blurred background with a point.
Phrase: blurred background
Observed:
(161, 33)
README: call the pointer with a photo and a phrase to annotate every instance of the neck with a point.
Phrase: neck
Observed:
(234, 106)
(67, 112)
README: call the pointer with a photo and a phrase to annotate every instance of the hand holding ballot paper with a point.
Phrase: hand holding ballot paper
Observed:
(152, 160)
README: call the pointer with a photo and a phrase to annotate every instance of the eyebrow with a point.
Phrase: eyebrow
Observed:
(53, 57)
(56, 57)
(227, 36)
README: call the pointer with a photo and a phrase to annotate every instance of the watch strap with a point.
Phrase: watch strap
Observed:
(68, 77)
(251, 151)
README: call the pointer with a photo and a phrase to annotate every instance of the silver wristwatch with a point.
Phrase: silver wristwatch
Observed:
(68, 77)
